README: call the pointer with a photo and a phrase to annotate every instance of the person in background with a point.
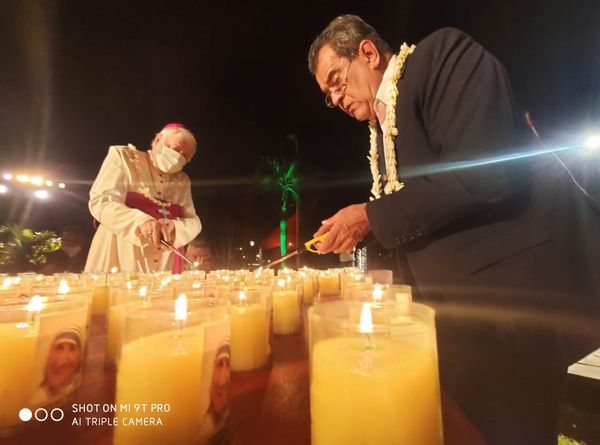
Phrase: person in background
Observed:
(491, 245)
(139, 198)
(200, 252)
(71, 256)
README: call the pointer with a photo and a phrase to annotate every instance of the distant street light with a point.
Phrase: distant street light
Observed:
(3, 189)
(41, 194)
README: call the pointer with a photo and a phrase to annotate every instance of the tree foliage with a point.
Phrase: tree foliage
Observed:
(23, 249)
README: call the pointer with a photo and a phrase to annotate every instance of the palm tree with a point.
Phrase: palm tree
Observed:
(22, 250)
(282, 174)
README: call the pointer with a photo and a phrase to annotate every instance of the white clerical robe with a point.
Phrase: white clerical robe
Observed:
(117, 242)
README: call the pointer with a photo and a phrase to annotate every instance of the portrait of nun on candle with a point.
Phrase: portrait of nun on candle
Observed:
(62, 368)
(213, 425)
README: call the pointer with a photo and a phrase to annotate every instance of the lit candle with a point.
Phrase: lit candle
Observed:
(374, 389)
(162, 368)
(18, 339)
(63, 288)
(286, 308)
(377, 293)
(249, 334)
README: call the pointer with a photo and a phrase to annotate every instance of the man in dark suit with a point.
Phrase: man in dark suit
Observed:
(490, 244)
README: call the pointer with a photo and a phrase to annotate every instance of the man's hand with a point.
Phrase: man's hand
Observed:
(346, 228)
(167, 230)
(153, 230)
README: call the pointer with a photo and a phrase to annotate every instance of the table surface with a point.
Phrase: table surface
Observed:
(268, 406)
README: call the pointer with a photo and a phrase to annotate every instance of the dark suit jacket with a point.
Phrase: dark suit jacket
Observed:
(516, 228)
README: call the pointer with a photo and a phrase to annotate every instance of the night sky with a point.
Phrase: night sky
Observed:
(78, 76)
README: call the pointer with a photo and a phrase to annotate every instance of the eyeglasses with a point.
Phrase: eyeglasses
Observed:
(336, 85)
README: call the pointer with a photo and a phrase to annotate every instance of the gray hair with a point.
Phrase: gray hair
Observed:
(344, 33)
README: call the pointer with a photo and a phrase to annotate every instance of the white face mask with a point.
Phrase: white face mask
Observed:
(168, 160)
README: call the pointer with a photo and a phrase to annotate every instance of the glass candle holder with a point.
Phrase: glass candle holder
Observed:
(309, 285)
(19, 328)
(43, 340)
(286, 306)
(374, 374)
(251, 308)
(176, 357)
(329, 283)
(400, 293)
(100, 300)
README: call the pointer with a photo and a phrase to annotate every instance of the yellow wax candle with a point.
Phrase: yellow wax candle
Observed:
(385, 395)
(328, 284)
(286, 312)
(308, 296)
(249, 336)
(161, 368)
(18, 346)
(100, 300)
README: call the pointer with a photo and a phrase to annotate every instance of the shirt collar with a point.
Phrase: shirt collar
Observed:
(383, 93)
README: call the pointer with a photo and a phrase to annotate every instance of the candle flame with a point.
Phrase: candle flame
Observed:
(16, 280)
(377, 293)
(242, 297)
(196, 285)
(36, 304)
(366, 320)
(181, 308)
(281, 283)
(63, 287)
(128, 285)
(196, 264)
(143, 291)
(6, 282)
(114, 269)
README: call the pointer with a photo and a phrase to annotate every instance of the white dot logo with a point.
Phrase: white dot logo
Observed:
(25, 414)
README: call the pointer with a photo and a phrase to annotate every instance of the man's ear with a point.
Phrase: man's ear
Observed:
(157, 138)
(368, 52)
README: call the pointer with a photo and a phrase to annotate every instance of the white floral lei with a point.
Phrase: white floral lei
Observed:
(392, 183)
